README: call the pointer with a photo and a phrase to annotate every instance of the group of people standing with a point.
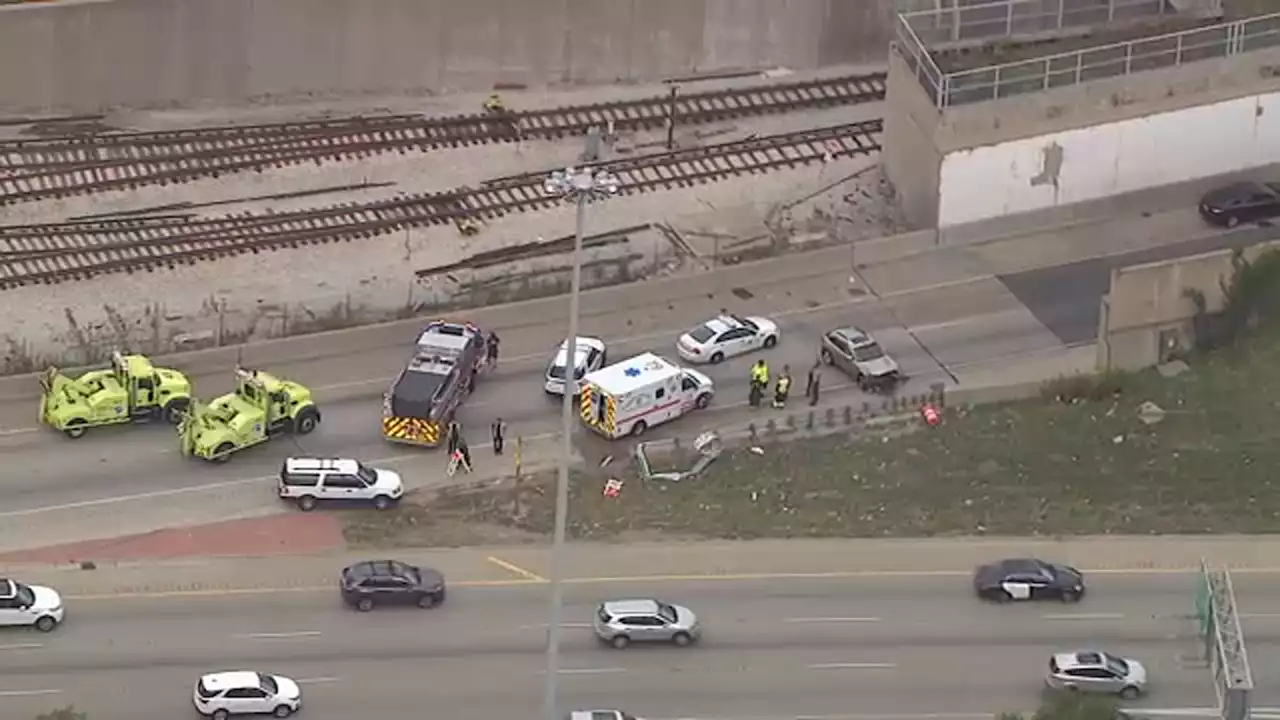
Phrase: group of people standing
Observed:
(782, 386)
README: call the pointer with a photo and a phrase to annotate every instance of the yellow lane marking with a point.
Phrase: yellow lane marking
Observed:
(516, 570)
(534, 579)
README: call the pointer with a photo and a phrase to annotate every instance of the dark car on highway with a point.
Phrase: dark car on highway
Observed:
(1239, 202)
(366, 585)
(1028, 579)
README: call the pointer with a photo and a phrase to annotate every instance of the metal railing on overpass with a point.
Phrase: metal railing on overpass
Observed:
(1064, 69)
(937, 22)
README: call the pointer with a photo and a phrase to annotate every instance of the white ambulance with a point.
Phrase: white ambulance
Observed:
(634, 395)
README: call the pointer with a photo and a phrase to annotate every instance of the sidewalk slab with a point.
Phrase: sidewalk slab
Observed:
(658, 562)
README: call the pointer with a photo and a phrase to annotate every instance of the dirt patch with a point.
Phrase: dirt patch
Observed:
(1090, 462)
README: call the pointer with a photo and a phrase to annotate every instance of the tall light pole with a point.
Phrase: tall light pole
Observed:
(580, 187)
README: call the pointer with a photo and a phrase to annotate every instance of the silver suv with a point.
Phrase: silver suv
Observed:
(622, 622)
(1097, 672)
(309, 481)
(855, 352)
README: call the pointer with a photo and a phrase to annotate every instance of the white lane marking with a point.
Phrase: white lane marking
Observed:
(543, 626)
(280, 635)
(27, 693)
(317, 680)
(854, 716)
(588, 671)
(803, 620)
(852, 666)
(1253, 616)
(22, 646)
(1083, 616)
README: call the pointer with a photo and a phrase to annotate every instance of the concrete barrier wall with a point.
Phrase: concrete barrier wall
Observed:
(85, 55)
(1147, 311)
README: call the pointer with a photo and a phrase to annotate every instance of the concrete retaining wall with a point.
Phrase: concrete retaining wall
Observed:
(84, 55)
(913, 152)
(1147, 313)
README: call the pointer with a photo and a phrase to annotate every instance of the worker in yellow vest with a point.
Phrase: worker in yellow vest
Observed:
(783, 388)
(759, 382)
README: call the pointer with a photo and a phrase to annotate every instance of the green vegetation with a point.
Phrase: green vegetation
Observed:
(1123, 454)
(67, 713)
(1071, 706)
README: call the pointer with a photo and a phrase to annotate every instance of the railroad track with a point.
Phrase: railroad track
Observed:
(35, 254)
(62, 167)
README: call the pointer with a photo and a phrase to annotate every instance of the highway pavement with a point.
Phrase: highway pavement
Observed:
(897, 646)
(942, 312)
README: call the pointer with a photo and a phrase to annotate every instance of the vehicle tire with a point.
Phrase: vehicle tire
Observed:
(222, 453)
(306, 421)
(770, 341)
(619, 642)
(307, 503)
(682, 639)
(364, 604)
(283, 711)
(381, 502)
(220, 714)
(703, 401)
(827, 359)
(1001, 596)
(1070, 596)
(1232, 221)
(1130, 693)
(76, 429)
(638, 429)
(428, 601)
(717, 358)
(174, 411)
(46, 624)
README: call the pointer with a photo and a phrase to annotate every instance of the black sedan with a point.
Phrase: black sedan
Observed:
(1028, 579)
(368, 584)
(1239, 202)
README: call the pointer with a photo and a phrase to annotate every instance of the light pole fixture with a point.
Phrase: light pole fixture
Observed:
(580, 187)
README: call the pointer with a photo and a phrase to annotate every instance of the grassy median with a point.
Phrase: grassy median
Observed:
(1088, 465)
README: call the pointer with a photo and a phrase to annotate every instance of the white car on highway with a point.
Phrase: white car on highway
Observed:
(591, 356)
(726, 336)
(245, 692)
(29, 606)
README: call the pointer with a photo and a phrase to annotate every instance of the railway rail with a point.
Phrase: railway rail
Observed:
(47, 254)
(68, 166)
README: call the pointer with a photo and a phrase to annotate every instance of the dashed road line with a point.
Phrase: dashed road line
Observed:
(853, 666)
(317, 680)
(817, 620)
(22, 646)
(1083, 616)
(516, 569)
(28, 693)
(280, 635)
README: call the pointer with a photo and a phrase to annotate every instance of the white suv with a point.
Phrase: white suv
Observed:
(29, 606)
(308, 481)
(221, 695)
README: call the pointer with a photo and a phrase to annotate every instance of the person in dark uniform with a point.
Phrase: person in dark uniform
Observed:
(814, 385)
(498, 430)
(491, 348)
(453, 437)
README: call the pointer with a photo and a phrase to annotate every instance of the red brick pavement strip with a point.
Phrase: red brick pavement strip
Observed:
(286, 534)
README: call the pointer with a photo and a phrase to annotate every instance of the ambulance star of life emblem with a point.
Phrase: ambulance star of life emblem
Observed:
(631, 372)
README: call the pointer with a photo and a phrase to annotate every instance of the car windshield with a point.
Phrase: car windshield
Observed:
(268, 683)
(667, 612)
(26, 596)
(556, 372)
(702, 333)
(367, 474)
(204, 691)
(1116, 665)
(745, 323)
(867, 353)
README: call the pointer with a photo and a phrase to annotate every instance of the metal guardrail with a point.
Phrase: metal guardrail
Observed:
(958, 21)
(1079, 66)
